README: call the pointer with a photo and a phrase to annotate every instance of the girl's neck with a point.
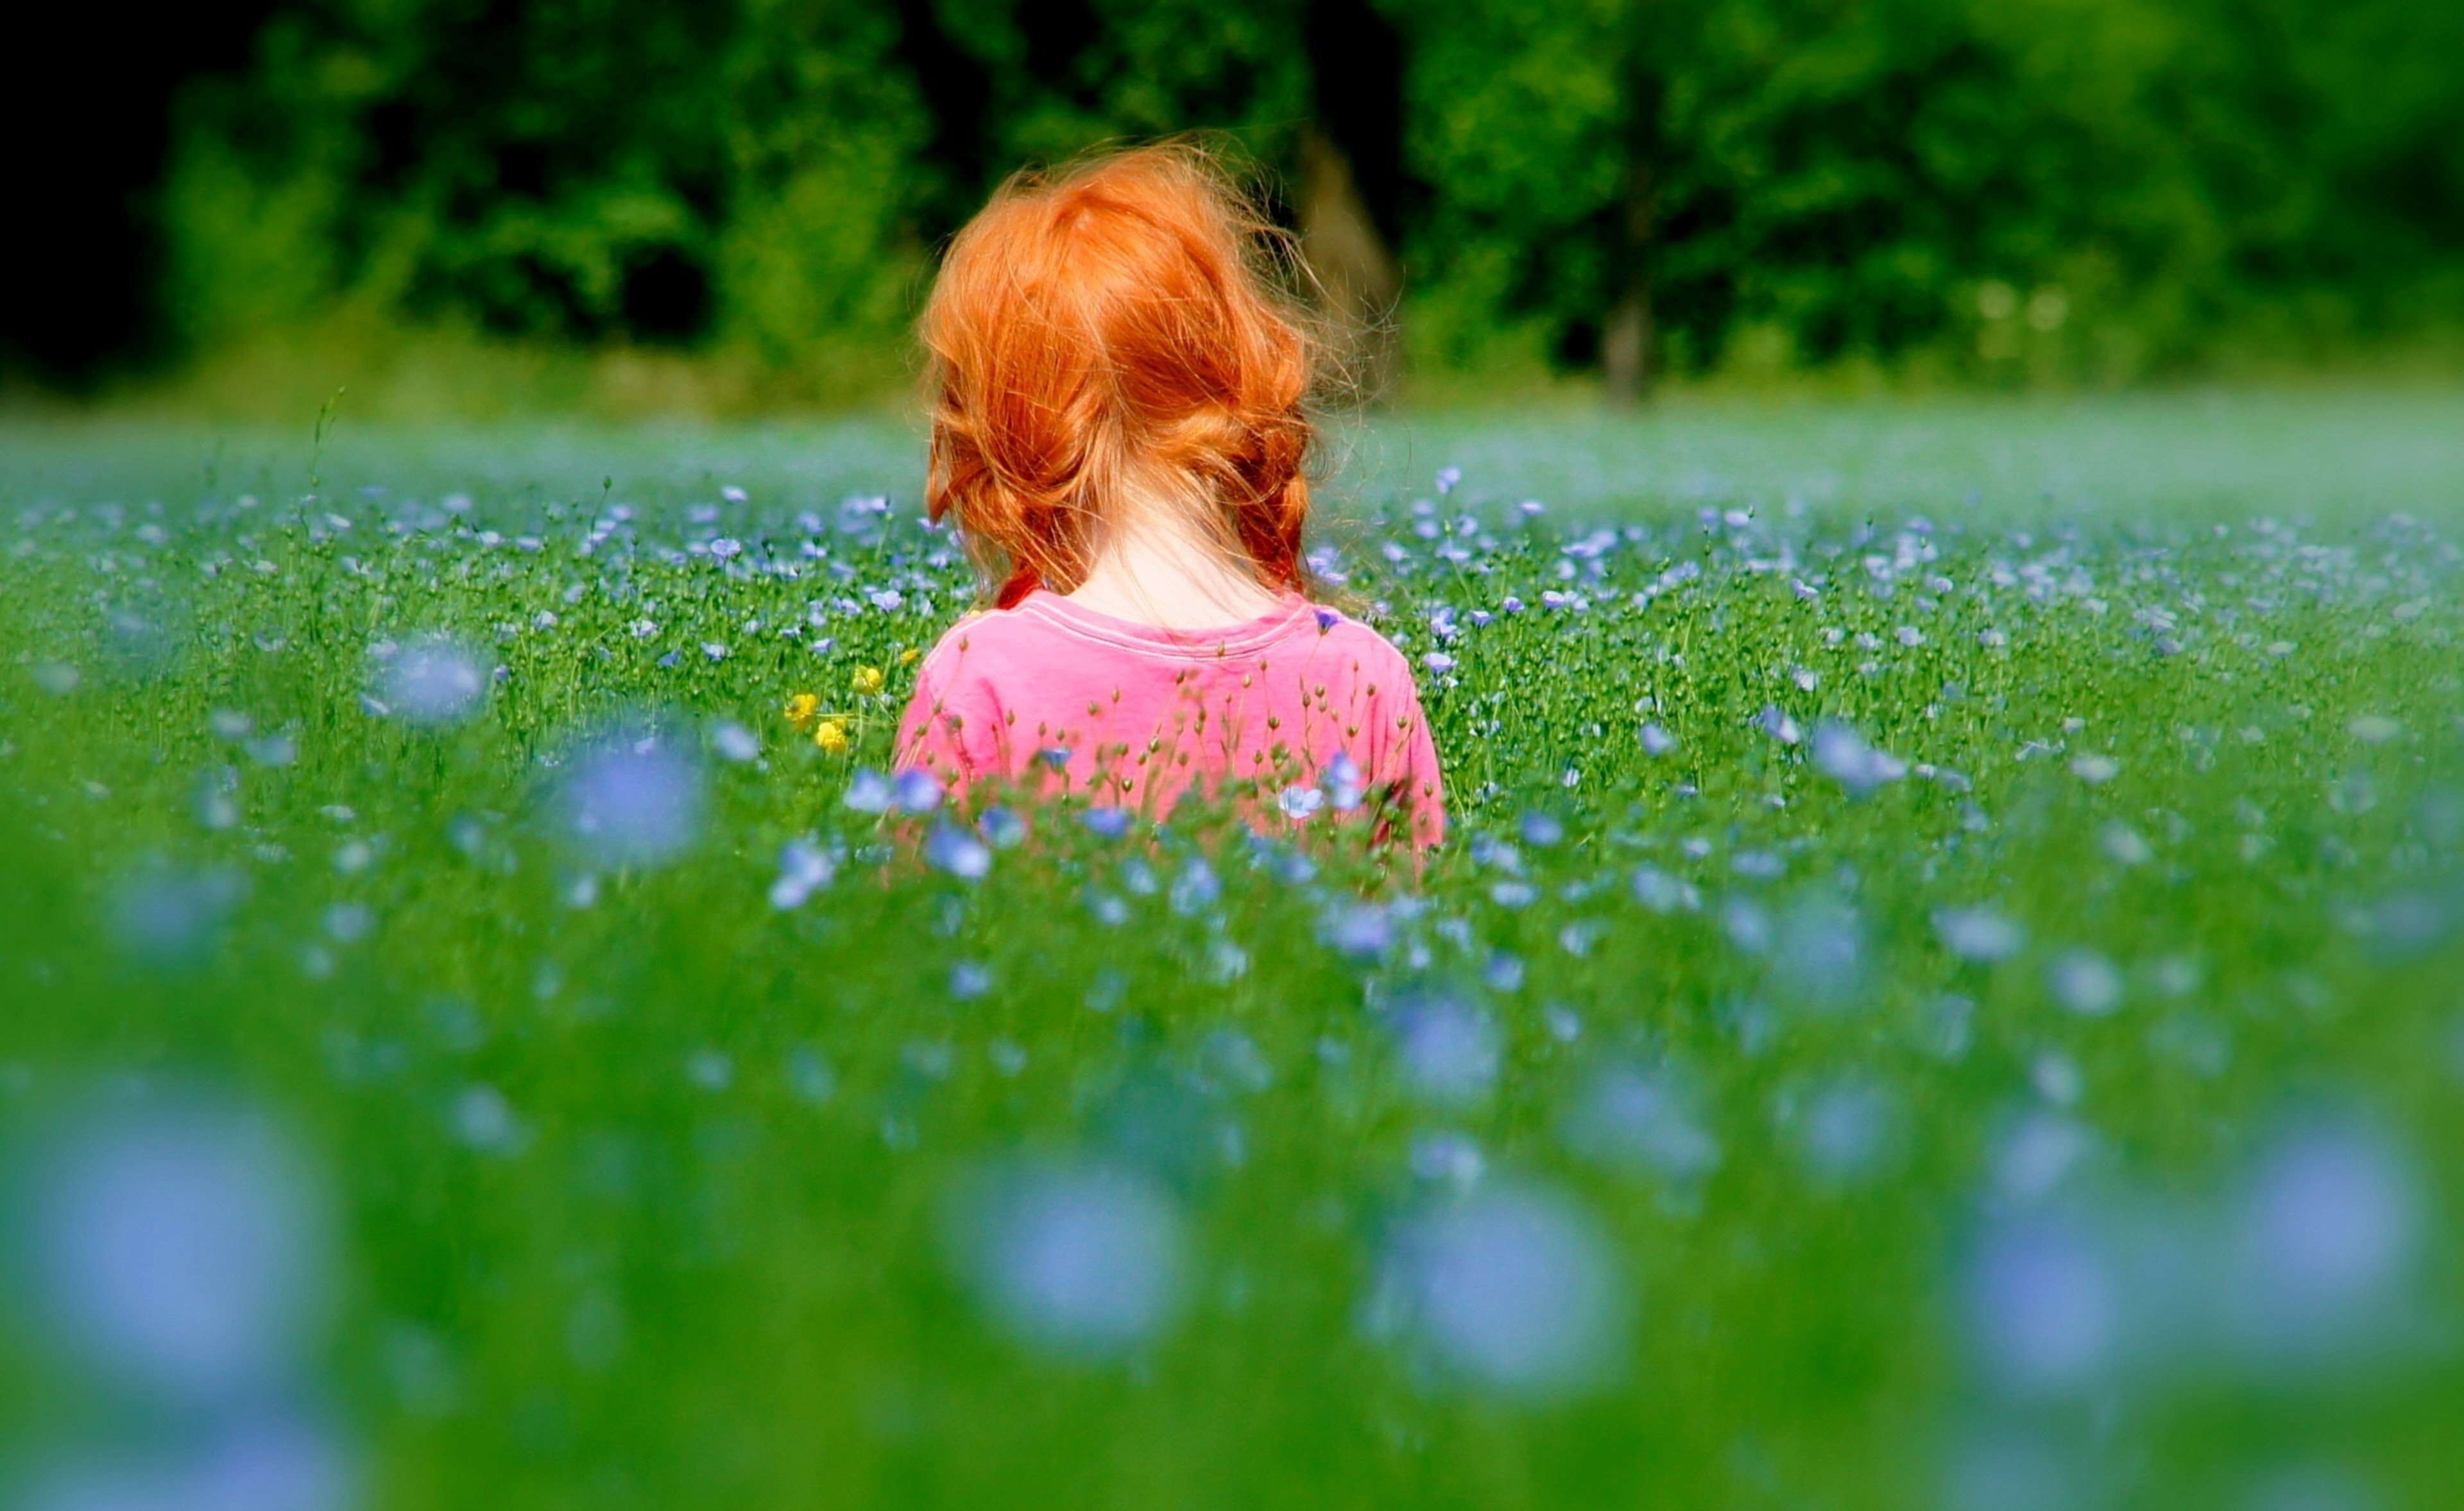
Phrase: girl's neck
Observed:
(1169, 575)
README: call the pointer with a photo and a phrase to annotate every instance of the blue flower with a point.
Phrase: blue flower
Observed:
(1344, 786)
(955, 850)
(869, 792)
(918, 791)
(1775, 722)
(1360, 929)
(803, 868)
(1195, 889)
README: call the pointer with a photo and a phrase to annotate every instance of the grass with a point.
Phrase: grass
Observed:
(2001, 1050)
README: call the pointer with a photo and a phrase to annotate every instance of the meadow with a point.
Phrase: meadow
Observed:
(1941, 991)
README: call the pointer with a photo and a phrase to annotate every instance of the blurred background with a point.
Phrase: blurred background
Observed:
(474, 207)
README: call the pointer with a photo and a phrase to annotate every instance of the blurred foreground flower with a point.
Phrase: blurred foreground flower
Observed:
(953, 849)
(1447, 1049)
(916, 791)
(164, 916)
(2044, 1305)
(869, 792)
(2310, 1269)
(1075, 1259)
(2326, 1245)
(1775, 722)
(263, 1459)
(1513, 1289)
(634, 802)
(1847, 758)
(803, 868)
(434, 682)
(1978, 933)
(1820, 951)
(1640, 1122)
(183, 1249)
(2085, 982)
(1847, 1129)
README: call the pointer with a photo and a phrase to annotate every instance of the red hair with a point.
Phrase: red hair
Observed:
(1116, 331)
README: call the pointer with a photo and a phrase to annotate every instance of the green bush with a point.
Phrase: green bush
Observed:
(2044, 190)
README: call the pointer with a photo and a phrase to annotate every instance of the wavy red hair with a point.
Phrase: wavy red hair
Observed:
(1114, 332)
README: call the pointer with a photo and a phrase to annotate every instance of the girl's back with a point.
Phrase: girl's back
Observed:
(1053, 697)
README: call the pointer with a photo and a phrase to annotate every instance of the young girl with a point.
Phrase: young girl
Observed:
(1118, 435)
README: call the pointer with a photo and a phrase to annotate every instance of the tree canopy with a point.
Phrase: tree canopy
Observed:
(2076, 189)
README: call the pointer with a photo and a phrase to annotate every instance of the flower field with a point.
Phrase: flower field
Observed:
(1941, 991)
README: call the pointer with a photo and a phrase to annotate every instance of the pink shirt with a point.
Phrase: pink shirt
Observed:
(1053, 697)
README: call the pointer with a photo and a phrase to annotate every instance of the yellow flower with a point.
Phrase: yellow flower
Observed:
(802, 707)
(831, 736)
(867, 680)
(908, 655)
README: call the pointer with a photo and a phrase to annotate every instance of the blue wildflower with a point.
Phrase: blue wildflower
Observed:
(955, 850)
(868, 791)
(917, 791)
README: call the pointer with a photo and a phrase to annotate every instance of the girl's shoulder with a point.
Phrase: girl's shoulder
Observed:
(985, 639)
(957, 643)
(1044, 632)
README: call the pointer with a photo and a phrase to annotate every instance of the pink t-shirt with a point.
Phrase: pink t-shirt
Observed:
(1053, 697)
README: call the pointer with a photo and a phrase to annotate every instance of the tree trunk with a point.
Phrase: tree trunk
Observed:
(1625, 345)
(1356, 276)
(1626, 329)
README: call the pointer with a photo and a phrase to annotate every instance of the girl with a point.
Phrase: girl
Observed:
(1118, 435)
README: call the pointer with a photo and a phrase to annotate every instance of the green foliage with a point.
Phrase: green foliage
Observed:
(2053, 190)
(583, 171)
(1064, 79)
(812, 259)
(1833, 182)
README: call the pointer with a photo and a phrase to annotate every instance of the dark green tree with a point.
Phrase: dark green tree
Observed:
(2000, 189)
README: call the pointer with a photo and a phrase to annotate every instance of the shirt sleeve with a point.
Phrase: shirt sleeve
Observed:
(1404, 759)
(1423, 785)
(951, 727)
